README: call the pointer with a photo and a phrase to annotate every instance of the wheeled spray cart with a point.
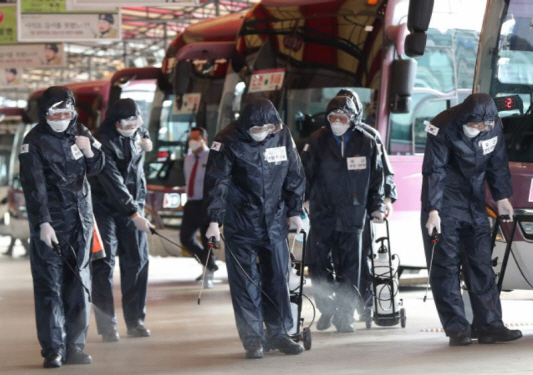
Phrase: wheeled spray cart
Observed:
(387, 310)
(299, 332)
(519, 276)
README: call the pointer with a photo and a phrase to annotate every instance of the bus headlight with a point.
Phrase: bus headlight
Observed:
(527, 229)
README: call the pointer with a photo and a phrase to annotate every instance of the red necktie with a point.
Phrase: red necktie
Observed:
(190, 193)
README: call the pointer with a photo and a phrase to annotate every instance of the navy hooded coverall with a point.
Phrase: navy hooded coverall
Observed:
(252, 188)
(390, 192)
(53, 176)
(118, 192)
(454, 172)
(341, 190)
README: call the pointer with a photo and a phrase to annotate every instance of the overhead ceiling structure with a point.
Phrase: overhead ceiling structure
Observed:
(146, 34)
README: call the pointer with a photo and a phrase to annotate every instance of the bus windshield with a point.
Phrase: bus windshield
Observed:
(511, 75)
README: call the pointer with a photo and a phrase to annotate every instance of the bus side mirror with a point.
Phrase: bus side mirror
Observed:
(403, 74)
(181, 78)
(418, 22)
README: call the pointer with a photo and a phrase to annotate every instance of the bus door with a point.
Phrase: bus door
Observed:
(191, 99)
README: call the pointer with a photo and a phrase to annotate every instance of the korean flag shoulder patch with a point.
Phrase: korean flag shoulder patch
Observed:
(25, 148)
(430, 128)
(216, 146)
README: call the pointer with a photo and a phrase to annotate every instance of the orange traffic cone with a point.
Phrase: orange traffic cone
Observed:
(98, 244)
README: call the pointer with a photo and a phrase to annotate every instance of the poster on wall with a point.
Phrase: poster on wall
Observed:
(8, 24)
(49, 21)
(32, 55)
(11, 77)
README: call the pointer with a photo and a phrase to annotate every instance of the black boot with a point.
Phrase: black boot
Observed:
(498, 334)
(254, 351)
(460, 339)
(54, 360)
(343, 325)
(111, 336)
(324, 322)
(284, 345)
(139, 331)
(76, 356)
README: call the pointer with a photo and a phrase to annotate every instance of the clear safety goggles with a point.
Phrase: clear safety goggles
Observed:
(132, 122)
(272, 128)
(339, 116)
(61, 111)
(481, 125)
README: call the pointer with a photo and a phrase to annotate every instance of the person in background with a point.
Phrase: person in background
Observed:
(391, 195)
(344, 181)
(253, 183)
(119, 194)
(194, 213)
(55, 158)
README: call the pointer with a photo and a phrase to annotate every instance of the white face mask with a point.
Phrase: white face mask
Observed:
(59, 126)
(338, 128)
(470, 132)
(259, 137)
(126, 133)
(194, 145)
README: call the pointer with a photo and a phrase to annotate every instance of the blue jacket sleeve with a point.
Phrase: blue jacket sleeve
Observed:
(498, 174)
(217, 180)
(33, 183)
(294, 184)
(113, 183)
(376, 187)
(434, 169)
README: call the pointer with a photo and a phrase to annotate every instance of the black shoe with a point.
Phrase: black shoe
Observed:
(343, 325)
(139, 331)
(54, 360)
(255, 352)
(285, 345)
(365, 315)
(77, 357)
(324, 322)
(498, 334)
(111, 336)
(460, 339)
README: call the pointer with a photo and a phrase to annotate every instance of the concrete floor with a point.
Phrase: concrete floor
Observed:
(191, 339)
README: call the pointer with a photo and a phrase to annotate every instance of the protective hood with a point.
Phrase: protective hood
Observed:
(54, 95)
(358, 105)
(258, 112)
(345, 104)
(478, 108)
(122, 109)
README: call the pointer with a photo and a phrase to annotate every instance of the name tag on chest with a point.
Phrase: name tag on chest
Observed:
(489, 145)
(276, 154)
(76, 152)
(356, 163)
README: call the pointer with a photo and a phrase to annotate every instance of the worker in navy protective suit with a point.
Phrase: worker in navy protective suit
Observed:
(55, 158)
(344, 181)
(253, 183)
(465, 148)
(365, 307)
(119, 194)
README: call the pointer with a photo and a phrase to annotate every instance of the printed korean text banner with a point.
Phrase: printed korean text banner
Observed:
(49, 21)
